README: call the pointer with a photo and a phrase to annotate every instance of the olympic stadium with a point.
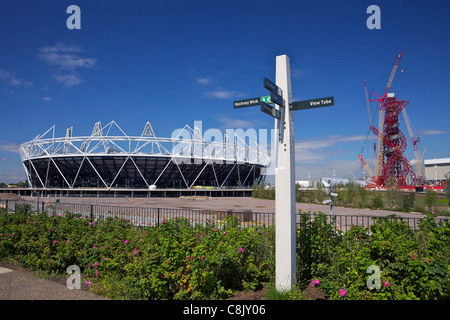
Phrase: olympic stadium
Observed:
(109, 159)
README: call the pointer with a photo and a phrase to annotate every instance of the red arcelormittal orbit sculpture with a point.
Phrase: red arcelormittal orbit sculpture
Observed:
(391, 141)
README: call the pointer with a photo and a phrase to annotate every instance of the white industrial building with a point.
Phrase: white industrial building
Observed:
(436, 169)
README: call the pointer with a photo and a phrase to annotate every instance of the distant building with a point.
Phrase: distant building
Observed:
(304, 183)
(436, 169)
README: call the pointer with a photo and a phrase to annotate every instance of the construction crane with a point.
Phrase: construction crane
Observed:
(373, 135)
(419, 172)
(366, 166)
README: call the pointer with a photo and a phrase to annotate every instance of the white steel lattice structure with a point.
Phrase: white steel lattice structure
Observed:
(109, 159)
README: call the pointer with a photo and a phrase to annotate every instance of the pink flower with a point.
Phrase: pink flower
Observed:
(241, 249)
(164, 275)
(126, 241)
(315, 282)
(51, 230)
(96, 264)
(136, 251)
(13, 234)
(192, 258)
(164, 221)
(90, 223)
(54, 241)
(68, 242)
(88, 282)
(105, 259)
(201, 258)
(197, 236)
(342, 292)
(225, 233)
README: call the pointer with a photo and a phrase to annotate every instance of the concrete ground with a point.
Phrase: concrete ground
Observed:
(221, 203)
(23, 285)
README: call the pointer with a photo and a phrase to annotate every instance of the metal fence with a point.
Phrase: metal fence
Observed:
(147, 216)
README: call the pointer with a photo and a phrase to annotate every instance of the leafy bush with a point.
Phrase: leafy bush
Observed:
(430, 199)
(414, 264)
(377, 202)
(181, 260)
(407, 202)
(174, 261)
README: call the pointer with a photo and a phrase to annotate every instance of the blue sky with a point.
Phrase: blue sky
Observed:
(176, 62)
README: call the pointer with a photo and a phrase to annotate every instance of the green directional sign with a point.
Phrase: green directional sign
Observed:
(313, 103)
(271, 111)
(266, 99)
(251, 102)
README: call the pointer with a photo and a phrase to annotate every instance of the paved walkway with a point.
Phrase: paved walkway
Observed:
(20, 285)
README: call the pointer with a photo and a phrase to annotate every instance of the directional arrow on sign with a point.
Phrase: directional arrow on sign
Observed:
(266, 99)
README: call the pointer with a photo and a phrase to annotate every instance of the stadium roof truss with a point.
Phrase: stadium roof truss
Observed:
(110, 158)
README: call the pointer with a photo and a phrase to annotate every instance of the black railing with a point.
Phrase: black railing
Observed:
(148, 216)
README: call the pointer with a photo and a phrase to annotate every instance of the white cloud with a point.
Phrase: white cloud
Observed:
(68, 80)
(64, 57)
(204, 81)
(67, 59)
(11, 79)
(434, 132)
(9, 147)
(318, 149)
(46, 98)
(224, 94)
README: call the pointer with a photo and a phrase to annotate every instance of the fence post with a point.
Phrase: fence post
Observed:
(91, 215)
(43, 206)
(158, 217)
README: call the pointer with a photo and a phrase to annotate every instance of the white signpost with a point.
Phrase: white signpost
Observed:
(285, 215)
(285, 235)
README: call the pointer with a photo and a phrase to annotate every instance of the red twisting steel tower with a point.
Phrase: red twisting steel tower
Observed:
(393, 164)
(391, 140)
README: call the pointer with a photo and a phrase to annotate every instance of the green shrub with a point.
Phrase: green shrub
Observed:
(174, 261)
(414, 264)
(377, 201)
